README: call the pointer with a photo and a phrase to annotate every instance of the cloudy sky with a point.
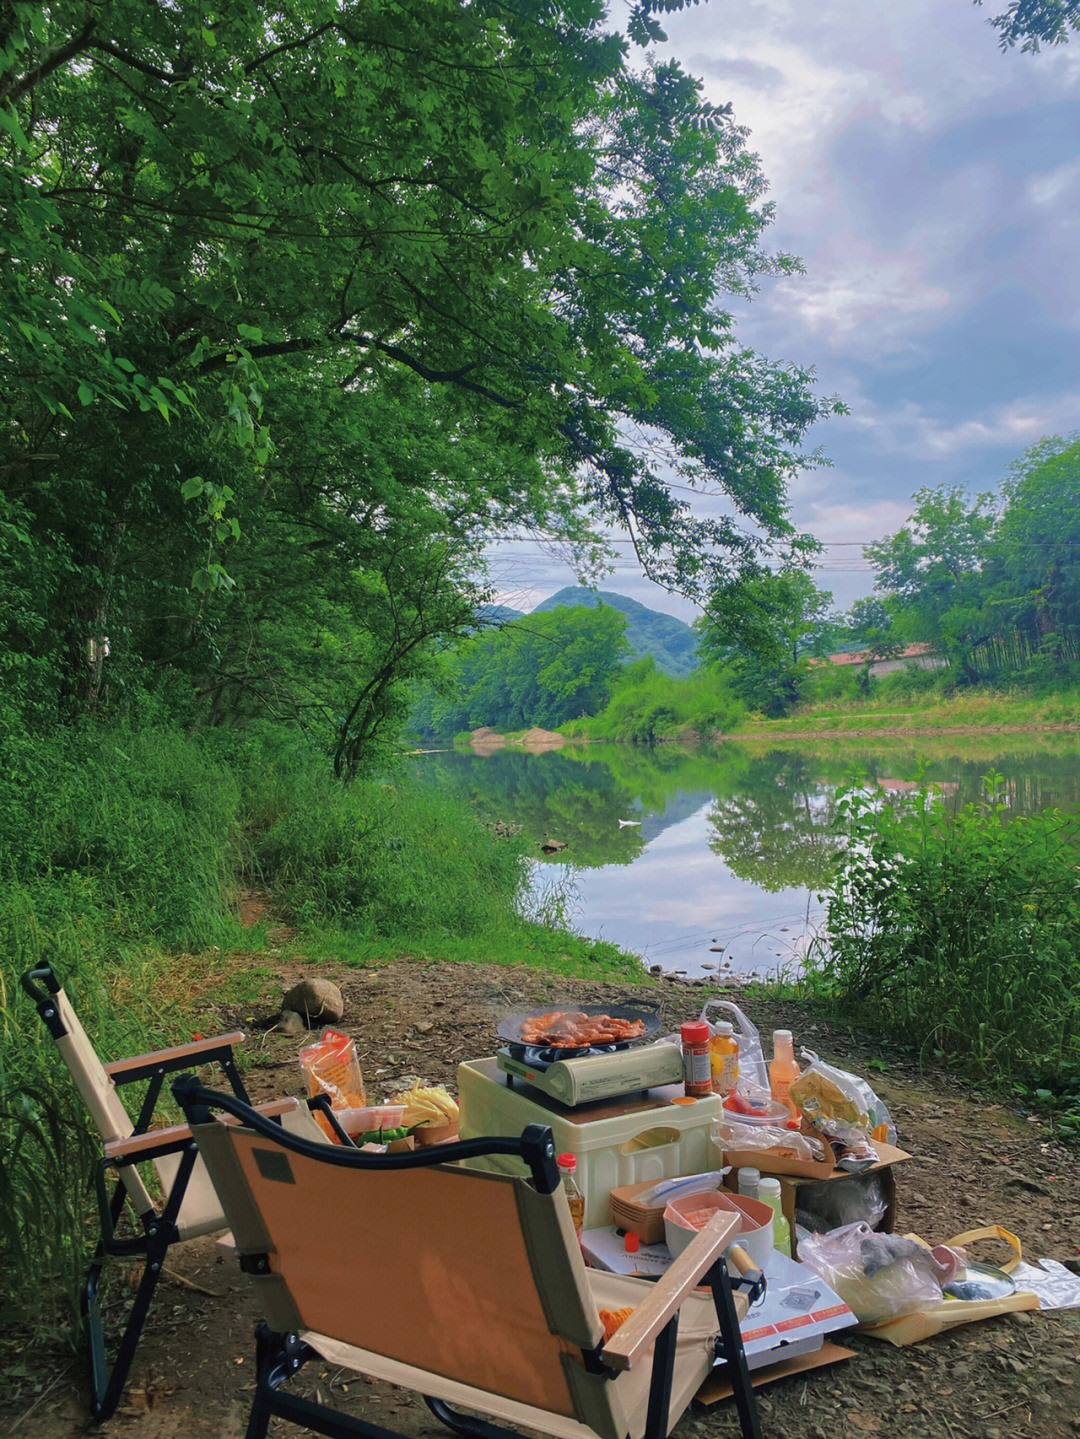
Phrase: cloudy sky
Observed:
(931, 185)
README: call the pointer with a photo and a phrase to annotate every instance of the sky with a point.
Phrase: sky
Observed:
(931, 186)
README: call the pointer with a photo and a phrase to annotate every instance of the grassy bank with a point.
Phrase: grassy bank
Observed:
(974, 710)
(122, 854)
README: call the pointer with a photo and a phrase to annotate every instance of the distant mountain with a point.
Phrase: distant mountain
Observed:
(491, 616)
(672, 643)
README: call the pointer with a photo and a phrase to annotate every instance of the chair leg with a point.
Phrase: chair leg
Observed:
(663, 1374)
(107, 1386)
(467, 1424)
(732, 1351)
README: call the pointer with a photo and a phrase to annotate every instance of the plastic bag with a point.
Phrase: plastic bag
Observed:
(753, 1071)
(881, 1123)
(858, 1199)
(780, 1143)
(878, 1276)
(835, 1105)
(331, 1067)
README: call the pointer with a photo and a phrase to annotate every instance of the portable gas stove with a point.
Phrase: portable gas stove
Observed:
(583, 1076)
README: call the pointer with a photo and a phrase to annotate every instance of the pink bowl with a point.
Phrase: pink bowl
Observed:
(755, 1232)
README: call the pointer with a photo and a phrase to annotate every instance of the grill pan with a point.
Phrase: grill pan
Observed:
(510, 1025)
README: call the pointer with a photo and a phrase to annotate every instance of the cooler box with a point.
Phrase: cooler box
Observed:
(616, 1141)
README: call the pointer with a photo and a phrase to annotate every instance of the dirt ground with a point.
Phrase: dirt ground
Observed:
(974, 1163)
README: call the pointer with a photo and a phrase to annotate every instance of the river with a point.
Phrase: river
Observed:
(721, 853)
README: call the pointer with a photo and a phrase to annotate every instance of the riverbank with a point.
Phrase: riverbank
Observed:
(975, 1161)
(975, 712)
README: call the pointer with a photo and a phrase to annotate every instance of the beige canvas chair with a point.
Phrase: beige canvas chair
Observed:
(189, 1206)
(465, 1286)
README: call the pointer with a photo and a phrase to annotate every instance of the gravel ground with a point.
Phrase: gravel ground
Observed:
(974, 1163)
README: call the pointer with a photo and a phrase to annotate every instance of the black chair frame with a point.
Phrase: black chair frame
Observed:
(158, 1230)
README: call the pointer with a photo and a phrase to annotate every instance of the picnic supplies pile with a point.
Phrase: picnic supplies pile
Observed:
(331, 1067)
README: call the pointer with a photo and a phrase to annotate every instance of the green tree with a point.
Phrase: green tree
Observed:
(297, 292)
(931, 573)
(542, 670)
(1035, 557)
(762, 626)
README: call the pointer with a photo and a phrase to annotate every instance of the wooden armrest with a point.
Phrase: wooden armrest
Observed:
(178, 1052)
(152, 1139)
(180, 1133)
(630, 1342)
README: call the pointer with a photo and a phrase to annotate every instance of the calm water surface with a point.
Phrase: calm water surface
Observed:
(727, 849)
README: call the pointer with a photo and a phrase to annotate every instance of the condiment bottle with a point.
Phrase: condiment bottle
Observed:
(567, 1170)
(783, 1071)
(749, 1181)
(769, 1193)
(724, 1057)
(697, 1067)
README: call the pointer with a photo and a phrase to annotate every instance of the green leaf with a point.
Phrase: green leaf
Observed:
(193, 488)
(87, 394)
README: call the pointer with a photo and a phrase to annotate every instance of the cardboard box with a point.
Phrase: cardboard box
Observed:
(793, 1173)
(716, 1387)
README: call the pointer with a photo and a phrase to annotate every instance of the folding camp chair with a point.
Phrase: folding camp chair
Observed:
(466, 1286)
(189, 1207)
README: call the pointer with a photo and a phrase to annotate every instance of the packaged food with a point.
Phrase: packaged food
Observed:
(331, 1067)
(724, 1058)
(428, 1106)
(824, 1092)
(697, 1066)
(780, 1142)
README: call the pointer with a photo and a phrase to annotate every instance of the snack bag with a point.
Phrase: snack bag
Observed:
(835, 1106)
(331, 1067)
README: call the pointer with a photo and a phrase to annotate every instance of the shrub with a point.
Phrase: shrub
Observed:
(960, 933)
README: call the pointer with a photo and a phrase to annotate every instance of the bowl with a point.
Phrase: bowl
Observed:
(754, 1234)
(770, 1112)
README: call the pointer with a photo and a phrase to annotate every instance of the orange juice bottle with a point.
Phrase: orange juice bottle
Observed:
(784, 1069)
(724, 1057)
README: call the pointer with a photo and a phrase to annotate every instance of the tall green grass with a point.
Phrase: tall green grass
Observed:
(960, 934)
(112, 845)
(122, 847)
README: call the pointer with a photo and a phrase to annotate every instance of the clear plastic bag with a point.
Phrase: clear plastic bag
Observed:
(780, 1143)
(858, 1199)
(331, 1067)
(753, 1071)
(881, 1122)
(878, 1276)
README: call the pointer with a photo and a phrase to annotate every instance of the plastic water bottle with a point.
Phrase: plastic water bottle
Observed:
(749, 1181)
(769, 1193)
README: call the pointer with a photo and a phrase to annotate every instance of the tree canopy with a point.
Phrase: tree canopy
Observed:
(1034, 23)
(302, 302)
(992, 582)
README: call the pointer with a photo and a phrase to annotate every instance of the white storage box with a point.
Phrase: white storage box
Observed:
(617, 1141)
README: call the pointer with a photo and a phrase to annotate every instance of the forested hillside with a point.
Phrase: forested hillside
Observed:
(671, 642)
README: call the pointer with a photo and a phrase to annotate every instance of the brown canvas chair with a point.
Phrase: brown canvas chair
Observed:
(189, 1206)
(466, 1286)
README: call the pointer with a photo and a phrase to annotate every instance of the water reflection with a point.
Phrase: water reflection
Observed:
(727, 848)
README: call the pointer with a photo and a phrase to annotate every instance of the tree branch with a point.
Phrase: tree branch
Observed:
(75, 46)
